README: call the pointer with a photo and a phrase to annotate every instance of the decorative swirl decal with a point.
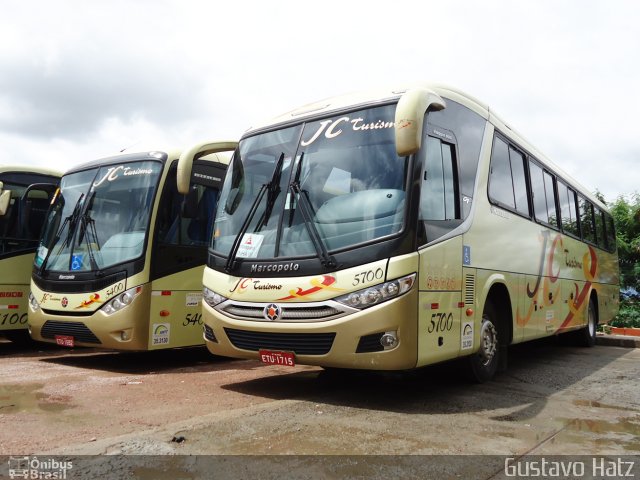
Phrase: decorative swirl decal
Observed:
(325, 284)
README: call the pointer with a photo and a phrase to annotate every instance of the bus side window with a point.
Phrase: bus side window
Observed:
(600, 234)
(543, 192)
(610, 232)
(587, 223)
(438, 199)
(568, 209)
(507, 178)
(500, 182)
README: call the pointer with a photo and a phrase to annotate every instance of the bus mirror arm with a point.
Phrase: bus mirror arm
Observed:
(185, 163)
(410, 112)
(5, 198)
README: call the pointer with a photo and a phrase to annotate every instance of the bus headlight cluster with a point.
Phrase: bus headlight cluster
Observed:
(212, 298)
(368, 297)
(33, 303)
(121, 301)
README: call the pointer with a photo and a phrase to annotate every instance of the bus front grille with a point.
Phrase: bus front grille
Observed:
(291, 312)
(79, 331)
(299, 343)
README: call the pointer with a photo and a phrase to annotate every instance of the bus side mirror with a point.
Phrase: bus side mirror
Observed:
(190, 155)
(232, 200)
(410, 112)
(5, 198)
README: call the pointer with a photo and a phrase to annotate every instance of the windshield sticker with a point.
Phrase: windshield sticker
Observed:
(333, 128)
(41, 255)
(114, 173)
(76, 262)
(338, 182)
(250, 246)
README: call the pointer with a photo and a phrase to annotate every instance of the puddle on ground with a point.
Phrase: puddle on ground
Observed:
(30, 399)
(595, 404)
(624, 432)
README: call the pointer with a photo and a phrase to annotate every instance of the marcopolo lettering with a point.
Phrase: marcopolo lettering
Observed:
(275, 267)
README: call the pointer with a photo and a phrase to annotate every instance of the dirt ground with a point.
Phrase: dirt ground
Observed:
(553, 400)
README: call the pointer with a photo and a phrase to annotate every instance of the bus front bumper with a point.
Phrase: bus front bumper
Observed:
(351, 341)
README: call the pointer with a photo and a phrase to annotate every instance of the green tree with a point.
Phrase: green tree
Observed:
(626, 214)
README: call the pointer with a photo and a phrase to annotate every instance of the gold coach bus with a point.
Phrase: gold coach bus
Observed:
(25, 194)
(120, 262)
(397, 229)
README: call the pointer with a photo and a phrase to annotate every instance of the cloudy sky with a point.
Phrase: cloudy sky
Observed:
(85, 79)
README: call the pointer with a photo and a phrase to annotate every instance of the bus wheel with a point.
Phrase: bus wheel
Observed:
(19, 337)
(586, 337)
(484, 363)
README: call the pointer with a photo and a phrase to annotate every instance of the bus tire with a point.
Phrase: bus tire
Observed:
(483, 364)
(19, 337)
(586, 337)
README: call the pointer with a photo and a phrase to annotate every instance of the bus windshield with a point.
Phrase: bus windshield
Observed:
(326, 185)
(99, 217)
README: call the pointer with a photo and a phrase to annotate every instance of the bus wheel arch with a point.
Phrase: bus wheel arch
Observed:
(496, 331)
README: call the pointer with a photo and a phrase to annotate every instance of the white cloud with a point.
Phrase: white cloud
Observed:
(83, 79)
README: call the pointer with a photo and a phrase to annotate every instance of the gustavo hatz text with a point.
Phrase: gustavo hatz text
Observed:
(599, 467)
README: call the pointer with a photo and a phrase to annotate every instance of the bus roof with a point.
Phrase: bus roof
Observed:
(381, 96)
(161, 155)
(29, 169)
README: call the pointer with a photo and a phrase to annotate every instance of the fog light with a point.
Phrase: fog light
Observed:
(389, 340)
(125, 335)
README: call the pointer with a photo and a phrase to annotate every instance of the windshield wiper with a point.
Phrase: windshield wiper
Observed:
(303, 202)
(88, 227)
(271, 187)
(71, 220)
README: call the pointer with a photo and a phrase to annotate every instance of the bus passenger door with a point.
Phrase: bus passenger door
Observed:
(181, 237)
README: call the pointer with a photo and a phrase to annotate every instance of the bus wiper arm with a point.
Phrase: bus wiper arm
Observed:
(275, 180)
(305, 208)
(273, 189)
(88, 227)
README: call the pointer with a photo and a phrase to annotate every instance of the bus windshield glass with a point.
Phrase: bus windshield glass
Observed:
(99, 217)
(325, 185)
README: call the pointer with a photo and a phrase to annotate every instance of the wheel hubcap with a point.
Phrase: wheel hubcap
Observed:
(592, 321)
(488, 342)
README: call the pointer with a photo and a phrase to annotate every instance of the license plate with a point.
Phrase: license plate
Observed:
(271, 357)
(65, 340)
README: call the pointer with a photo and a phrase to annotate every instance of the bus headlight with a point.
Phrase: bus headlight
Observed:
(116, 304)
(370, 296)
(212, 298)
(33, 303)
